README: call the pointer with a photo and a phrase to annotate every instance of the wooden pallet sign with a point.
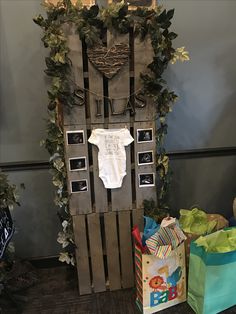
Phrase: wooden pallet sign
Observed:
(112, 101)
(104, 256)
(108, 87)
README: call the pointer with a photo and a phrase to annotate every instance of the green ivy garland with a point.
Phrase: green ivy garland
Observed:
(9, 197)
(90, 24)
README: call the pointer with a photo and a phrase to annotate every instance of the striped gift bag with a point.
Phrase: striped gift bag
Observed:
(160, 282)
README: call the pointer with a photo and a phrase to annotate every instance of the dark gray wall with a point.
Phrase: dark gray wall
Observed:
(36, 219)
(206, 182)
(23, 100)
(23, 95)
(204, 115)
(202, 118)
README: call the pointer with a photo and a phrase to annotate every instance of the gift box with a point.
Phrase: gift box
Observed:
(212, 272)
(160, 282)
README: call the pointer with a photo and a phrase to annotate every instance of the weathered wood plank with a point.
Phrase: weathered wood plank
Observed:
(143, 55)
(74, 2)
(102, 3)
(76, 115)
(79, 194)
(127, 273)
(112, 250)
(82, 259)
(96, 100)
(137, 216)
(146, 171)
(96, 252)
(119, 85)
(121, 198)
(88, 3)
(100, 193)
(133, 4)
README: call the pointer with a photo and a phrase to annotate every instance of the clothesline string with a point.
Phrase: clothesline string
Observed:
(107, 97)
(116, 98)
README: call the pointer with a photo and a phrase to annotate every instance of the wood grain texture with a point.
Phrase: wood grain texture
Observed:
(121, 198)
(96, 252)
(112, 251)
(79, 203)
(100, 192)
(143, 55)
(127, 272)
(74, 2)
(119, 86)
(96, 100)
(109, 60)
(82, 260)
(75, 115)
(133, 4)
(137, 217)
(102, 3)
(147, 192)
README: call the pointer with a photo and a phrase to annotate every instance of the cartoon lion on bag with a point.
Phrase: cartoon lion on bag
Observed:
(157, 283)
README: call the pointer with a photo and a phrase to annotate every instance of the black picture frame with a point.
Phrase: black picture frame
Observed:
(77, 163)
(145, 135)
(146, 179)
(75, 137)
(79, 186)
(145, 158)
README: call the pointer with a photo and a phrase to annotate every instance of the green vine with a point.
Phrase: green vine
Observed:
(90, 24)
(8, 192)
(9, 197)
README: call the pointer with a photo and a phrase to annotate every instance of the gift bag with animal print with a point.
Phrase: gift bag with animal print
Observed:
(160, 282)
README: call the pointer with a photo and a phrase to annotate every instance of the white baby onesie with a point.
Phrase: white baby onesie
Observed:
(111, 156)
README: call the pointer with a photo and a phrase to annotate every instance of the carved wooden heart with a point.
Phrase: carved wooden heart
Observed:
(109, 61)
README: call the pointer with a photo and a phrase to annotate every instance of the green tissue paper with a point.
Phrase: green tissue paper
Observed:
(221, 241)
(195, 221)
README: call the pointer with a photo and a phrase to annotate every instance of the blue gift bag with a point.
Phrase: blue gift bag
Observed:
(212, 278)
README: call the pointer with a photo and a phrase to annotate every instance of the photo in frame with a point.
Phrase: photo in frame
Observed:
(77, 163)
(75, 137)
(145, 158)
(144, 135)
(79, 186)
(146, 179)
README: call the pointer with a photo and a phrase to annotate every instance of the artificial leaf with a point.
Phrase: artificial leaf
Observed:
(170, 14)
(94, 10)
(172, 35)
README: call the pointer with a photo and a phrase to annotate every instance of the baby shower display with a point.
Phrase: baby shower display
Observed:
(108, 104)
